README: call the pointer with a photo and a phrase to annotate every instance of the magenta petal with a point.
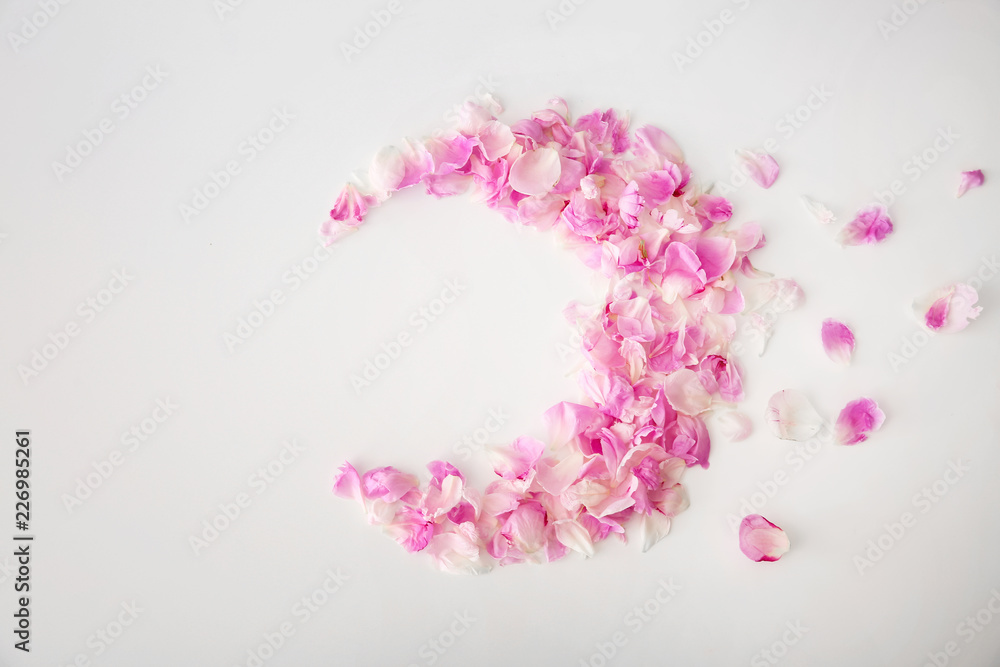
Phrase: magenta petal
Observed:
(950, 308)
(970, 179)
(761, 167)
(838, 341)
(857, 419)
(347, 484)
(761, 540)
(870, 226)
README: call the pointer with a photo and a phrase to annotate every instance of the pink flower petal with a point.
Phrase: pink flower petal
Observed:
(347, 484)
(761, 167)
(970, 179)
(838, 341)
(857, 419)
(536, 172)
(791, 416)
(761, 540)
(686, 393)
(387, 484)
(870, 226)
(653, 528)
(948, 309)
(496, 140)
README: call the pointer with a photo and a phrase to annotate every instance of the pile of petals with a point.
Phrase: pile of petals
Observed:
(656, 352)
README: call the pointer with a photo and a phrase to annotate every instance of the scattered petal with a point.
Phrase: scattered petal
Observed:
(536, 172)
(791, 416)
(948, 309)
(856, 420)
(969, 180)
(819, 211)
(870, 226)
(838, 341)
(761, 540)
(761, 167)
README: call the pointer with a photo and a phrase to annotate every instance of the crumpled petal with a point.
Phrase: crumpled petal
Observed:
(791, 416)
(856, 420)
(870, 226)
(969, 180)
(838, 341)
(761, 540)
(387, 484)
(347, 484)
(536, 172)
(761, 167)
(948, 309)
(818, 210)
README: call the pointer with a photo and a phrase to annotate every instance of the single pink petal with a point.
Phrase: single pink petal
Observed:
(387, 484)
(761, 540)
(970, 179)
(652, 528)
(496, 140)
(515, 461)
(649, 139)
(716, 254)
(838, 341)
(449, 152)
(870, 226)
(630, 205)
(857, 419)
(347, 484)
(574, 536)
(387, 170)
(714, 208)
(351, 206)
(948, 309)
(686, 393)
(761, 167)
(791, 416)
(819, 211)
(536, 172)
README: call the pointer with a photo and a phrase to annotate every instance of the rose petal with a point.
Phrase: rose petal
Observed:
(870, 226)
(838, 341)
(969, 180)
(819, 211)
(761, 540)
(948, 309)
(761, 167)
(857, 419)
(791, 416)
(536, 172)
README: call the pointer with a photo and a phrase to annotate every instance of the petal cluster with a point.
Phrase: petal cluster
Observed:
(656, 352)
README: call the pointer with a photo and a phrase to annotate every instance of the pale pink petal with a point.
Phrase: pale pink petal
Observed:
(653, 527)
(735, 426)
(857, 419)
(761, 167)
(838, 341)
(496, 139)
(686, 393)
(574, 536)
(870, 226)
(536, 172)
(387, 170)
(948, 309)
(387, 484)
(458, 552)
(969, 180)
(351, 206)
(515, 461)
(630, 205)
(761, 540)
(651, 139)
(819, 211)
(791, 416)
(347, 484)
(715, 208)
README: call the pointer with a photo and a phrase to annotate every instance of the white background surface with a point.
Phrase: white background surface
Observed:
(495, 348)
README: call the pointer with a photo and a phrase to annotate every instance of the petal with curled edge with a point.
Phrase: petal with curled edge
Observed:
(969, 180)
(857, 420)
(761, 167)
(949, 309)
(870, 226)
(838, 341)
(653, 527)
(573, 535)
(761, 540)
(536, 172)
(347, 483)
